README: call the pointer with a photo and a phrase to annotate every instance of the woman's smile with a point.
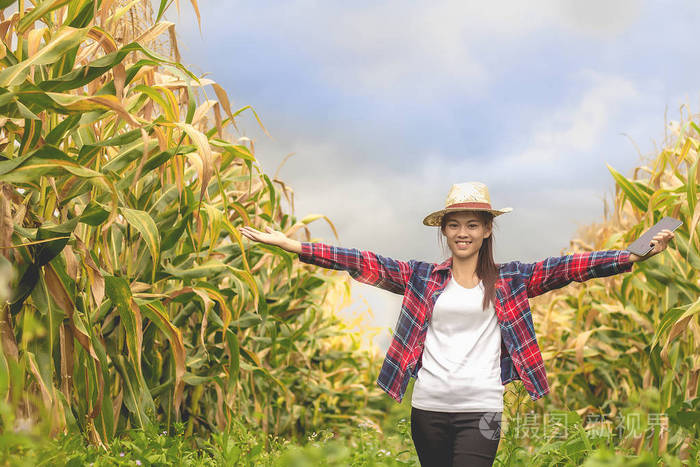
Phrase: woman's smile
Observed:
(465, 233)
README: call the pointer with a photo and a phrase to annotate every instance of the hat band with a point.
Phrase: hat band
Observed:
(472, 205)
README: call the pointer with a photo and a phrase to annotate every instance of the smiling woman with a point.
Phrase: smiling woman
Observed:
(469, 235)
(465, 328)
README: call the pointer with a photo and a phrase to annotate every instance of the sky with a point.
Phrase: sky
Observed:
(385, 105)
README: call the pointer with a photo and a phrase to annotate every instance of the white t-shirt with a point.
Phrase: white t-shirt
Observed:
(461, 366)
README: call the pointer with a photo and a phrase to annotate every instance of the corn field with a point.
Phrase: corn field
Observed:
(129, 299)
(608, 341)
(134, 301)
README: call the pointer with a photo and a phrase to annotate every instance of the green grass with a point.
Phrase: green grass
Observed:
(238, 446)
(241, 445)
(342, 444)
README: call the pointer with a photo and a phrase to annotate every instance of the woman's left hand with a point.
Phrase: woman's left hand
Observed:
(660, 242)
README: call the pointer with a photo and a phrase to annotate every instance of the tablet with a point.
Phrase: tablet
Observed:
(642, 245)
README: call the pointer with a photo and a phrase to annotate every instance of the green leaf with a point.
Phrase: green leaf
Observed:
(204, 156)
(234, 358)
(94, 214)
(80, 12)
(65, 39)
(32, 132)
(44, 7)
(46, 251)
(686, 249)
(117, 289)
(135, 399)
(667, 321)
(692, 187)
(631, 189)
(158, 315)
(158, 98)
(59, 131)
(173, 234)
(161, 9)
(236, 150)
(46, 160)
(145, 225)
(209, 269)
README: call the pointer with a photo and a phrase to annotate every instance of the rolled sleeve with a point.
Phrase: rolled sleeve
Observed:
(623, 261)
(306, 255)
(556, 272)
(364, 266)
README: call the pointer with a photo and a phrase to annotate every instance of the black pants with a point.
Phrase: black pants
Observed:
(455, 439)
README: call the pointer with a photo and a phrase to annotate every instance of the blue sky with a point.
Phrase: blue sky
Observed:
(386, 104)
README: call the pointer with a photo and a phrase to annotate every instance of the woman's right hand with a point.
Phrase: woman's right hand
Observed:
(271, 237)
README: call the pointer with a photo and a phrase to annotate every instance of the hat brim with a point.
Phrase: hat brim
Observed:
(435, 218)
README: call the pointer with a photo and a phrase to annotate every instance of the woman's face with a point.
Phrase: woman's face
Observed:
(465, 232)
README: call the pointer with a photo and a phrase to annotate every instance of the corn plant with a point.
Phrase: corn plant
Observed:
(611, 342)
(134, 300)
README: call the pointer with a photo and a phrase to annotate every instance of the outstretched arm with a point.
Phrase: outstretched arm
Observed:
(364, 266)
(556, 272)
(272, 237)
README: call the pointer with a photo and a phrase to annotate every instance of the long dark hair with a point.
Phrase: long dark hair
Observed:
(486, 268)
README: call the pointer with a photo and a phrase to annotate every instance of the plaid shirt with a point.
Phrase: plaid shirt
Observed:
(421, 283)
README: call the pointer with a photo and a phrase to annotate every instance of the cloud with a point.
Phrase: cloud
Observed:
(378, 206)
(571, 131)
(599, 18)
(398, 50)
(369, 97)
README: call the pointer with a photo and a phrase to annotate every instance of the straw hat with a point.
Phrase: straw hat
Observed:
(468, 196)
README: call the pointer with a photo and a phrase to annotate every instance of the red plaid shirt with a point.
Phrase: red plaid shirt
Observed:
(421, 283)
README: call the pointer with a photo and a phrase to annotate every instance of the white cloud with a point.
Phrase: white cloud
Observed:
(599, 18)
(424, 47)
(571, 131)
(373, 208)
(411, 50)
(383, 211)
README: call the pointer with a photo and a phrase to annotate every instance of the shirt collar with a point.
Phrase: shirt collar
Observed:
(445, 265)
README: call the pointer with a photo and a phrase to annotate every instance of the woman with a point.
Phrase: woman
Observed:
(465, 327)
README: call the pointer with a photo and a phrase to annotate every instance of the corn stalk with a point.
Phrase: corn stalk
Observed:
(611, 342)
(135, 301)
